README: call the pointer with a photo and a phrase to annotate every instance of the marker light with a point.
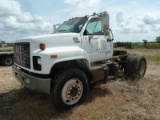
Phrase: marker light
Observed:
(42, 46)
(54, 56)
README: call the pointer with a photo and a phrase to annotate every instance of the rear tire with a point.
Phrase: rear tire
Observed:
(135, 67)
(7, 61)
(70, 89)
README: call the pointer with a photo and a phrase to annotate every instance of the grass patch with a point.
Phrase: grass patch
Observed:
(149, 54)
(152, 57)
(7, 48)
(149, 45)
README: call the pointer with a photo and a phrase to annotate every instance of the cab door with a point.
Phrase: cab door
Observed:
(94, 42)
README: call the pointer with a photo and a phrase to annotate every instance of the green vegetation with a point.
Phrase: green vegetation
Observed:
(149, 54)
(148, 45)
(9, 44)
(2, 42)
(7, 48)
(130, 45)
(158, 39)
(153, 57)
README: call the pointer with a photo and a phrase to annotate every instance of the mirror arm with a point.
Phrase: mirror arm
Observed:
(112, 34)
(90, 37)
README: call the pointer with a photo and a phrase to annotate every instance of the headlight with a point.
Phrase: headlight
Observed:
(39, 60)
(37, 63)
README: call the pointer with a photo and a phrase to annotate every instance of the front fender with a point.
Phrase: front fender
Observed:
(63, 54)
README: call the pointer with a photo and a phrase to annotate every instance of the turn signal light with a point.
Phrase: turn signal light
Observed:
(54, 56)
(42, 46)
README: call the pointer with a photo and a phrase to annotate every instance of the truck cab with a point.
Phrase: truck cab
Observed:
(77, 38)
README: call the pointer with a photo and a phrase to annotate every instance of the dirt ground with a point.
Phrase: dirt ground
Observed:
(114, 100)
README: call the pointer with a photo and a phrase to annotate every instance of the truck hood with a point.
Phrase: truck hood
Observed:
(53, 40)
(52, 35)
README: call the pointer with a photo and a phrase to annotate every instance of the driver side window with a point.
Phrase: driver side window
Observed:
(94, 27)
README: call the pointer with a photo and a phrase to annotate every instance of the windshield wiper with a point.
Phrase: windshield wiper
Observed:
(62, 30)
(98, 33)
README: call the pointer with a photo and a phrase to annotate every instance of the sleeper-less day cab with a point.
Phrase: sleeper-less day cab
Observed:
(77, 54)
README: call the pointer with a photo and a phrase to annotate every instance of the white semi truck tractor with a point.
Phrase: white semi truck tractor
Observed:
(65, 63)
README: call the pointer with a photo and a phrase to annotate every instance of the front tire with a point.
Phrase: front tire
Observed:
(70, 89)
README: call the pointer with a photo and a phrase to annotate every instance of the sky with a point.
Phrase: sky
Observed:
(130, 20)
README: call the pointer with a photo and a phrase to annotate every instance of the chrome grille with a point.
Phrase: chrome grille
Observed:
(22, 54)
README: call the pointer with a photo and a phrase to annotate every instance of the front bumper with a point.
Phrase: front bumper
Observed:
(32, 82)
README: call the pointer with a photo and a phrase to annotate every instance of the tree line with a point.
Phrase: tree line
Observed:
(10, 44)
(158, 39)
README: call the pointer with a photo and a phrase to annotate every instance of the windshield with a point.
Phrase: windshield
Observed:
(73, 25)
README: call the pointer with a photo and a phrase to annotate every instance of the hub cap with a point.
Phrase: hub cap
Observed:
(8, 61)
(142, 68)
(72, 91)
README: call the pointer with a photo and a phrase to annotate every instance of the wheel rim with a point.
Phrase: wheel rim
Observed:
(72, 91)
(8, 61)
(142, 68)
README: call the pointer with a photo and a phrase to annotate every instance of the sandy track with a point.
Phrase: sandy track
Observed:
(7, 81)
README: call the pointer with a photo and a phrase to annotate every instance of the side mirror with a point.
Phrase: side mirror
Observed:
(111, 34)
(105, 23)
